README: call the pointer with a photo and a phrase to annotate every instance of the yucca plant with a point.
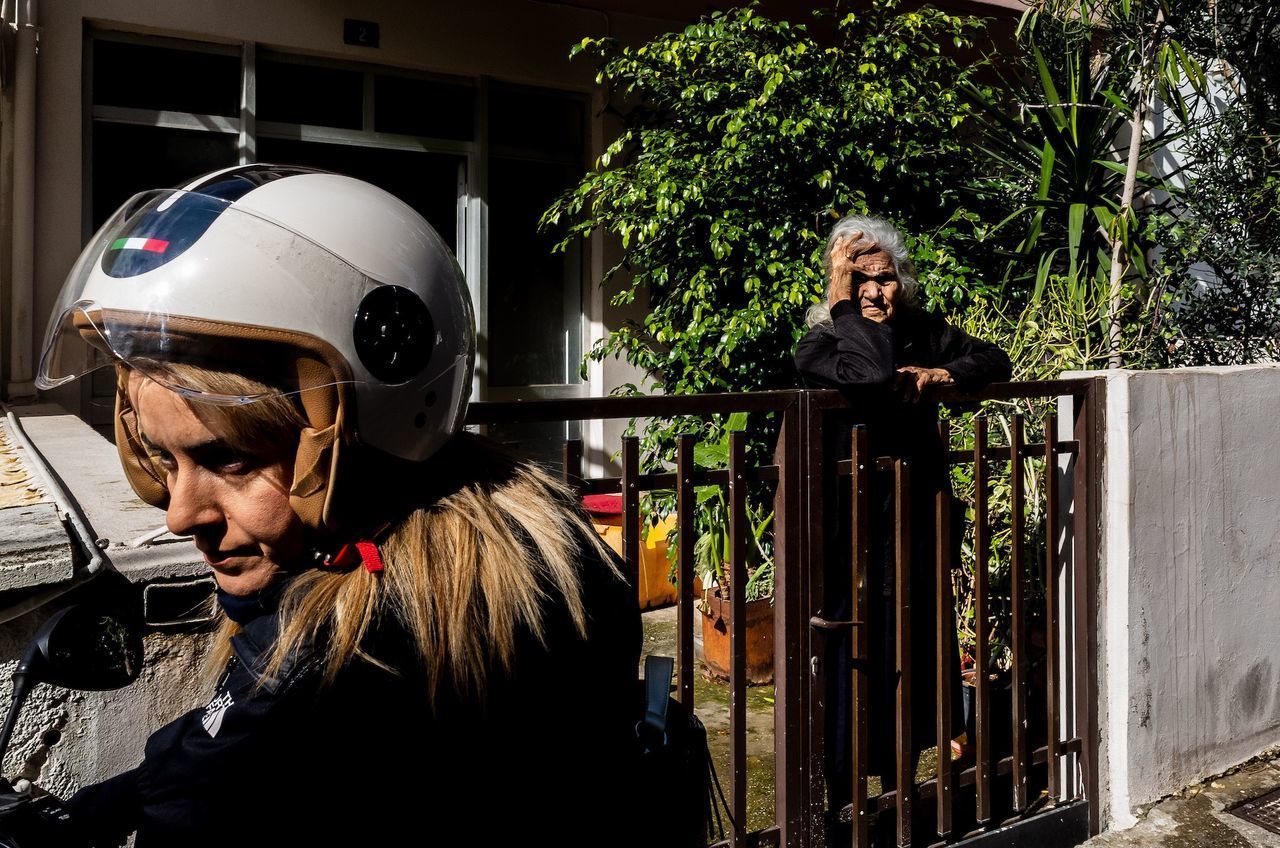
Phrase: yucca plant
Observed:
(1069, 148)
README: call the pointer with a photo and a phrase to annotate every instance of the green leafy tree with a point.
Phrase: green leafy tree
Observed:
(745, 139)
(1221, 254)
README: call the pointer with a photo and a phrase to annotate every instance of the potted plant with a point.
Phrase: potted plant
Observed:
(712, 552)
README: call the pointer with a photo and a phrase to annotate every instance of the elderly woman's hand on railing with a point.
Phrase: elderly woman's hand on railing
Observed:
(912, 380)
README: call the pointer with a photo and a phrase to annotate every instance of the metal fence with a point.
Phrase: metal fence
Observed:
(1032, 766)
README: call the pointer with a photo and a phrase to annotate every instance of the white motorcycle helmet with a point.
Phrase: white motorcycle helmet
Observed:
(340, 292)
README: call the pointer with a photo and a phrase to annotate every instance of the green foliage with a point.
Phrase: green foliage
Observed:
(746, 139)
(1057, 135)
(1220, 269)
(712, 548)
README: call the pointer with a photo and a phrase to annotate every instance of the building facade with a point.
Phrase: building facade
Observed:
(471, 113)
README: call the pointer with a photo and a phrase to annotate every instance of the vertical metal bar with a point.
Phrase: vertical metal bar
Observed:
(946, 653)
(571, 467)
(906, 777)
(686, 500)
(860, 690)
(1018, 624)
(1051, 603)
(631, 508)
(1080, 564)
(1088, 420)
(739, 529)
(790, 661)
(819, 481)
(981, 659)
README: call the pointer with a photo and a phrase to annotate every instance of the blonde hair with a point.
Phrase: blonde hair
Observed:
(464, 575)
(496, 546)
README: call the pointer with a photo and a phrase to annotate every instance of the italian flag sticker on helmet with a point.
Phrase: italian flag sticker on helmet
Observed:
(151, 245)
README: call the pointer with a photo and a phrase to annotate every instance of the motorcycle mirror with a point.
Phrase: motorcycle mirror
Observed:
(80, 647)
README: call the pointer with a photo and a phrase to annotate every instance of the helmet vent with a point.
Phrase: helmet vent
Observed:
(394, 334)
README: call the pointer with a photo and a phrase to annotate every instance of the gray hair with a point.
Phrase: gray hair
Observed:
(889, 239)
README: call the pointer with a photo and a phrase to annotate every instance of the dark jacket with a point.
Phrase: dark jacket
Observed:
(366, 761)
(860, 357)
(855, 351)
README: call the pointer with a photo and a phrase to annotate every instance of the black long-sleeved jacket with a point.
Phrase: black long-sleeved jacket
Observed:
(366, 761)
(861, 357)
(853, 351)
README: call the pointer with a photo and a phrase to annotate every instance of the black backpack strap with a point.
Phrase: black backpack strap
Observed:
(652, 727)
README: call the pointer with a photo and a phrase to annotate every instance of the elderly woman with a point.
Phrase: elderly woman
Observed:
(871, 340)
(421, 639)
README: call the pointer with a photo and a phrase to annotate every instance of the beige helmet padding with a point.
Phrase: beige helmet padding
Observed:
(319, 387)
(139, 469)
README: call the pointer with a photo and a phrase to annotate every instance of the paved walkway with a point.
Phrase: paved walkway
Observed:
(1198, 819)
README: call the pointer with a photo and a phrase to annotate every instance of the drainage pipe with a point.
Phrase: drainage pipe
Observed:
(6, 176)
(22, 276)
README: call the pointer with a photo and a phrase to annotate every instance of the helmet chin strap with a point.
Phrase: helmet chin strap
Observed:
(354, 554)
(363, 551)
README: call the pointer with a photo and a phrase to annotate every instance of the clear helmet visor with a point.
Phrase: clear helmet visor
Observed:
(180, 278)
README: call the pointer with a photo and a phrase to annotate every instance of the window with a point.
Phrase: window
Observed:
(165, 110)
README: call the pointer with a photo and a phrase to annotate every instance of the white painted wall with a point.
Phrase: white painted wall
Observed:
(1189, 670)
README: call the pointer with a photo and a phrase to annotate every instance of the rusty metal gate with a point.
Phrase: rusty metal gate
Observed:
(1028, 768)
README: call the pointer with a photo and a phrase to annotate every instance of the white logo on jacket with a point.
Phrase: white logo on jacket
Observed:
(212, 718)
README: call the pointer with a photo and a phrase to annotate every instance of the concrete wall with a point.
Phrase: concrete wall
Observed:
(67, 739)
(1190, 579)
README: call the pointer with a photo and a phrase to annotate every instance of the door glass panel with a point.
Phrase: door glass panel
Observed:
(532, 120)
(425, 108)
(541, 442)
(128, 159)
(535, 300)
(426, 181)
(290, 93)
(140, 76)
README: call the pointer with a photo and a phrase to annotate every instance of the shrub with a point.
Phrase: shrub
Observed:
(745, 139)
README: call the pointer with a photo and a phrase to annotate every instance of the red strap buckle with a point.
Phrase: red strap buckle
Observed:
(355, 553)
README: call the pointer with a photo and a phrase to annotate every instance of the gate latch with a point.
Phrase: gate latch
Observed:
(820, 623)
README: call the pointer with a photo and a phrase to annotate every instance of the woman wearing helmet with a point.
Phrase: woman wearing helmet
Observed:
(412, 616)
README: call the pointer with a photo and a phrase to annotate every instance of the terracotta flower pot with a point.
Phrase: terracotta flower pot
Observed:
(717, 613)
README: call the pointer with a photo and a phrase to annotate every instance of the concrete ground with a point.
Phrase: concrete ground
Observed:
(1198, 817)
(711, 701)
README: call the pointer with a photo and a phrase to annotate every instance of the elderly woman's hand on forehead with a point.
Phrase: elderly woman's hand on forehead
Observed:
(845, 256)
(864, 273)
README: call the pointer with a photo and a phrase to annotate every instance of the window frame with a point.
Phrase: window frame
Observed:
(472, 235)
